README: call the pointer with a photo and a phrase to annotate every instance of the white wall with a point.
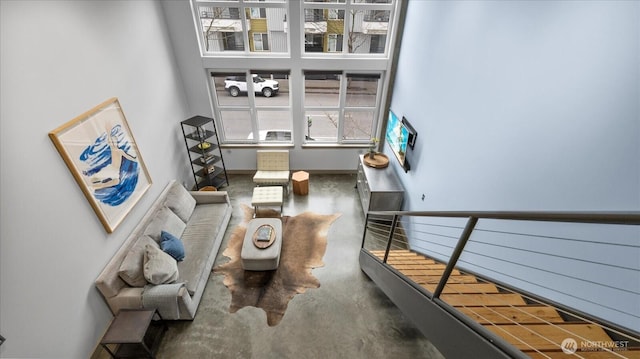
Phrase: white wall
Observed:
(524, 105)
(529, 105)
(58, 60)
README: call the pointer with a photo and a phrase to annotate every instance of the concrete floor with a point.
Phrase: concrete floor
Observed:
(347, 317)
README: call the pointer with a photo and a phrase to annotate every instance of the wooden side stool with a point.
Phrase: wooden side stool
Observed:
(300, 182)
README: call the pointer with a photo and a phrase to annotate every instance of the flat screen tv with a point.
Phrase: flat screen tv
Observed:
(397, 136)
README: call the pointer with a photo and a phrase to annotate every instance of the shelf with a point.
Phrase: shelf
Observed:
(200, 130)
(198, 150)
(216, 172)
(211, 160)
(197, 121)
(216, 182)
(195, 136)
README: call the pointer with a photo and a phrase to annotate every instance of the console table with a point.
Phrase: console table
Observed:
(379, 188)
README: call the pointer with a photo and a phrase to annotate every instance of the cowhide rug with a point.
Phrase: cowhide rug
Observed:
(304, 242)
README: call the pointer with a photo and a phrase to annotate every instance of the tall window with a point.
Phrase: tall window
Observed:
(254, 106)
(358, 21)
(335, 14)
(221, 29)
(247, 48)
(335, 43)
(230, 28)
(260, 42)
(258, 13)
(361, 104)
(339, 107)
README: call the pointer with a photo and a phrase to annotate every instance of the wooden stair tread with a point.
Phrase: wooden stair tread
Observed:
(429, 279)
(507, 315)
(418, 266)
(420, 261)
(396, 253)
(463, 288)
(530, 314)
(478, 300)
(547, 337)
(438, 272)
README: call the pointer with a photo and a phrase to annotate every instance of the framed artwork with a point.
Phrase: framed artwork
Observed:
(102, 155)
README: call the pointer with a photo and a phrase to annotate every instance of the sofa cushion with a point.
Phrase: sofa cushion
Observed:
(131, 269)
(271, 177)
(172, 245)
(164, 220)
(198, 239)
(159, 267)
(180, 201)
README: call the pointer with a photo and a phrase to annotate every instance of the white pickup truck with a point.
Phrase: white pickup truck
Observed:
(238, 84)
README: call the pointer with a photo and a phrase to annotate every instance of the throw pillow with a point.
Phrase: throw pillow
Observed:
(164, 220)
(180, 201)
(172, 245)
(159, 267)
(131, 267)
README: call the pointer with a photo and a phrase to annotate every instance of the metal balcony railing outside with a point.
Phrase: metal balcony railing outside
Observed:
(220, 13)
(562, 271)
(377, 16)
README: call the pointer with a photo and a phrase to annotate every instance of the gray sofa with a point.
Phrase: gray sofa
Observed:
(200, 220)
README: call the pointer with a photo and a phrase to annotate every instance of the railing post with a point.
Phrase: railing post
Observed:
(364, 232)
(391, 231)
(464, 237)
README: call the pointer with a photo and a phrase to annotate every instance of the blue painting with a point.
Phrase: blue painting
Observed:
(99, 149)
(112, 169)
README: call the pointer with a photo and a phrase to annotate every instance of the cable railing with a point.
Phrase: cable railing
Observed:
(542, 284)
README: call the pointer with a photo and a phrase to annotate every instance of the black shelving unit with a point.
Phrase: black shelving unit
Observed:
(205, 155)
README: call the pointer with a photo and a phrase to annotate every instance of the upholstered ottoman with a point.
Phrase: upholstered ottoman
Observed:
(255, 258)
(266, 196)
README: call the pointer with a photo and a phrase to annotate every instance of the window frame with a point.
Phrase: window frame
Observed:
(296, 60)
(342, 108)
(253, 107)
(264, 38)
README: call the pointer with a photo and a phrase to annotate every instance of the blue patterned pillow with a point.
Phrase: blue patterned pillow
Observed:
(172, 245)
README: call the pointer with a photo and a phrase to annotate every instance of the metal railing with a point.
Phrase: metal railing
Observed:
(585, 265)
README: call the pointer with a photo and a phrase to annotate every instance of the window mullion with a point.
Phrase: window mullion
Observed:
(342, 100)
(245, 31)
(345, 30)
(252, 105)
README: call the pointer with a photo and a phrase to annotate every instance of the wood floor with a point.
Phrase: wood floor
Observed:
(535, 328)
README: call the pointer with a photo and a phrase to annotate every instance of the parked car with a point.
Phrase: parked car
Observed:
(272, 135)
(238, 84)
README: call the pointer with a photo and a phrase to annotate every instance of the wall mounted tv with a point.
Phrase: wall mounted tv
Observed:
(399, 134)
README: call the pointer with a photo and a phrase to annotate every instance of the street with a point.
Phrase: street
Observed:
(358, 122)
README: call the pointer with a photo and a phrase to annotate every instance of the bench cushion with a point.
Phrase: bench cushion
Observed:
(271, 177)
(269, 196)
